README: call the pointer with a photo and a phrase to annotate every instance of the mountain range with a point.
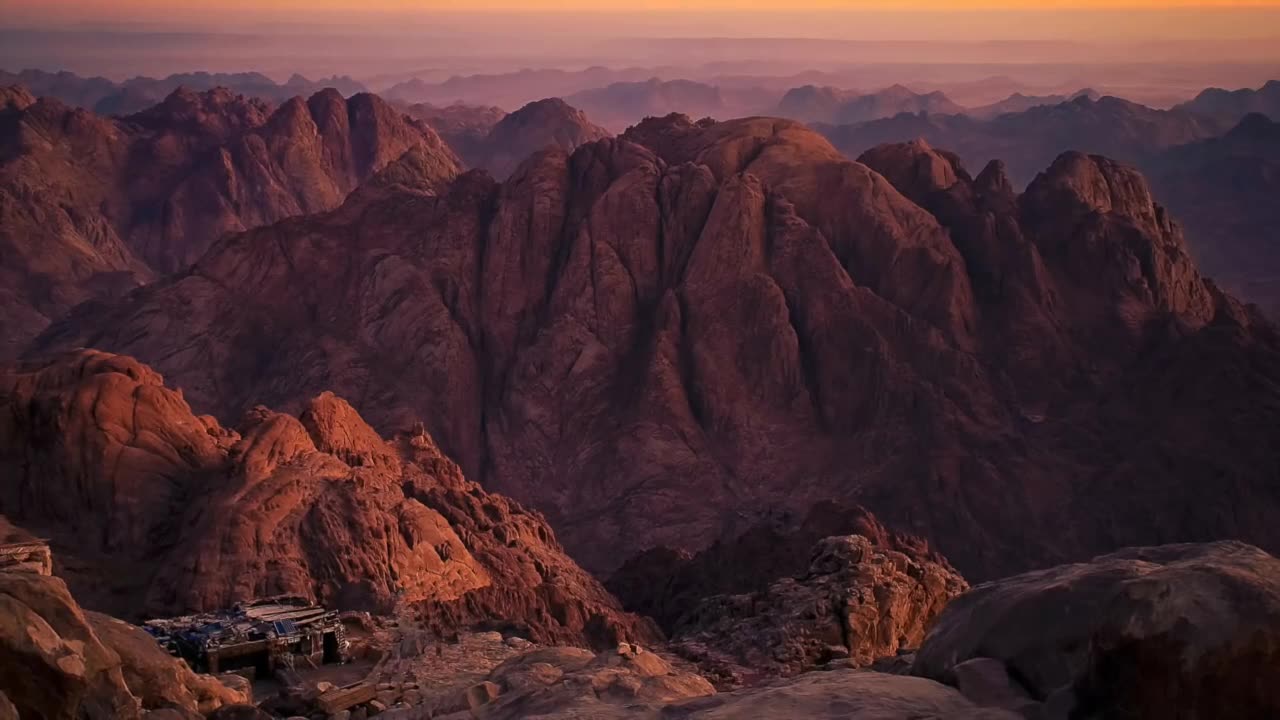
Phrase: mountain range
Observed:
(95, 206)
(1209, 182)
(790, 403)
(107, 97)
(610, 298)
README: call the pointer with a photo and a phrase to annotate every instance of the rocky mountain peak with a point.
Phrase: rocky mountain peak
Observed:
(15, 97)
(914, 167)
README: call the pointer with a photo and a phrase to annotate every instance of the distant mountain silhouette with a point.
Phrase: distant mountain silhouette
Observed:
(1234, 105)
(832, 105)
(106, 97)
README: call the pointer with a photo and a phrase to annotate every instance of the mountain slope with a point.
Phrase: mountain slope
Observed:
(661, 337)
(1030, 140)
(124, 200)
(1224, 190)
(172, 513)
(537, 126)
(1233, 105)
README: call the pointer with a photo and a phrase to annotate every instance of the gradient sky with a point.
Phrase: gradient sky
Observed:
(97, 9)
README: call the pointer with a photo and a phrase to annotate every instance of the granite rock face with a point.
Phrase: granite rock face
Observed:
(91, 207)
(792, 595)
(158, 509)
(662, 339)
(61, 662)
(856, 604)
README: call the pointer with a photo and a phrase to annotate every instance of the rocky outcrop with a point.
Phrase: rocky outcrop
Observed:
(666, 584)
(92, 207)
(857, 603)
(1179, 631)
(660, 339)
(61, 662)
(158, 508)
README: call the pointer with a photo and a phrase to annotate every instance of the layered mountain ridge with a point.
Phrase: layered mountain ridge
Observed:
(659, 337)
(94, 206)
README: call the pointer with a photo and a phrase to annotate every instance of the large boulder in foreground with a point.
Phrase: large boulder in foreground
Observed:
(57, 661)
(1179, 631)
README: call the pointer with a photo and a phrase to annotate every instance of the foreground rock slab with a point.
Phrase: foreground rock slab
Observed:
(1177, 631)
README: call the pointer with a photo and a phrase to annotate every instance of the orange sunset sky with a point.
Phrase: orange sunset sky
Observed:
(107, 7)
(1100, 20)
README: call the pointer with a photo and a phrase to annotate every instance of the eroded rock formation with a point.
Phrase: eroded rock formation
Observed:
(857, 603)
(662, 338)
(91, 207)
(58, 661)
(154, 507)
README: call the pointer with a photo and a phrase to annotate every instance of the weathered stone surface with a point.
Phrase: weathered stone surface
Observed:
(662, 339)
(56, 661)
(91, 207)
(102, 457)
(667, 584)
(550, 123)
(1178, 631)
(857, 602)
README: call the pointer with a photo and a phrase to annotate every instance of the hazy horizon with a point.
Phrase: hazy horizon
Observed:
(1157, 55)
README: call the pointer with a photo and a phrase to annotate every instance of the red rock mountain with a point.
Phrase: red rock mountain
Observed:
(537, 126)
(661, 338)
(91, 207)
(151, 508)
